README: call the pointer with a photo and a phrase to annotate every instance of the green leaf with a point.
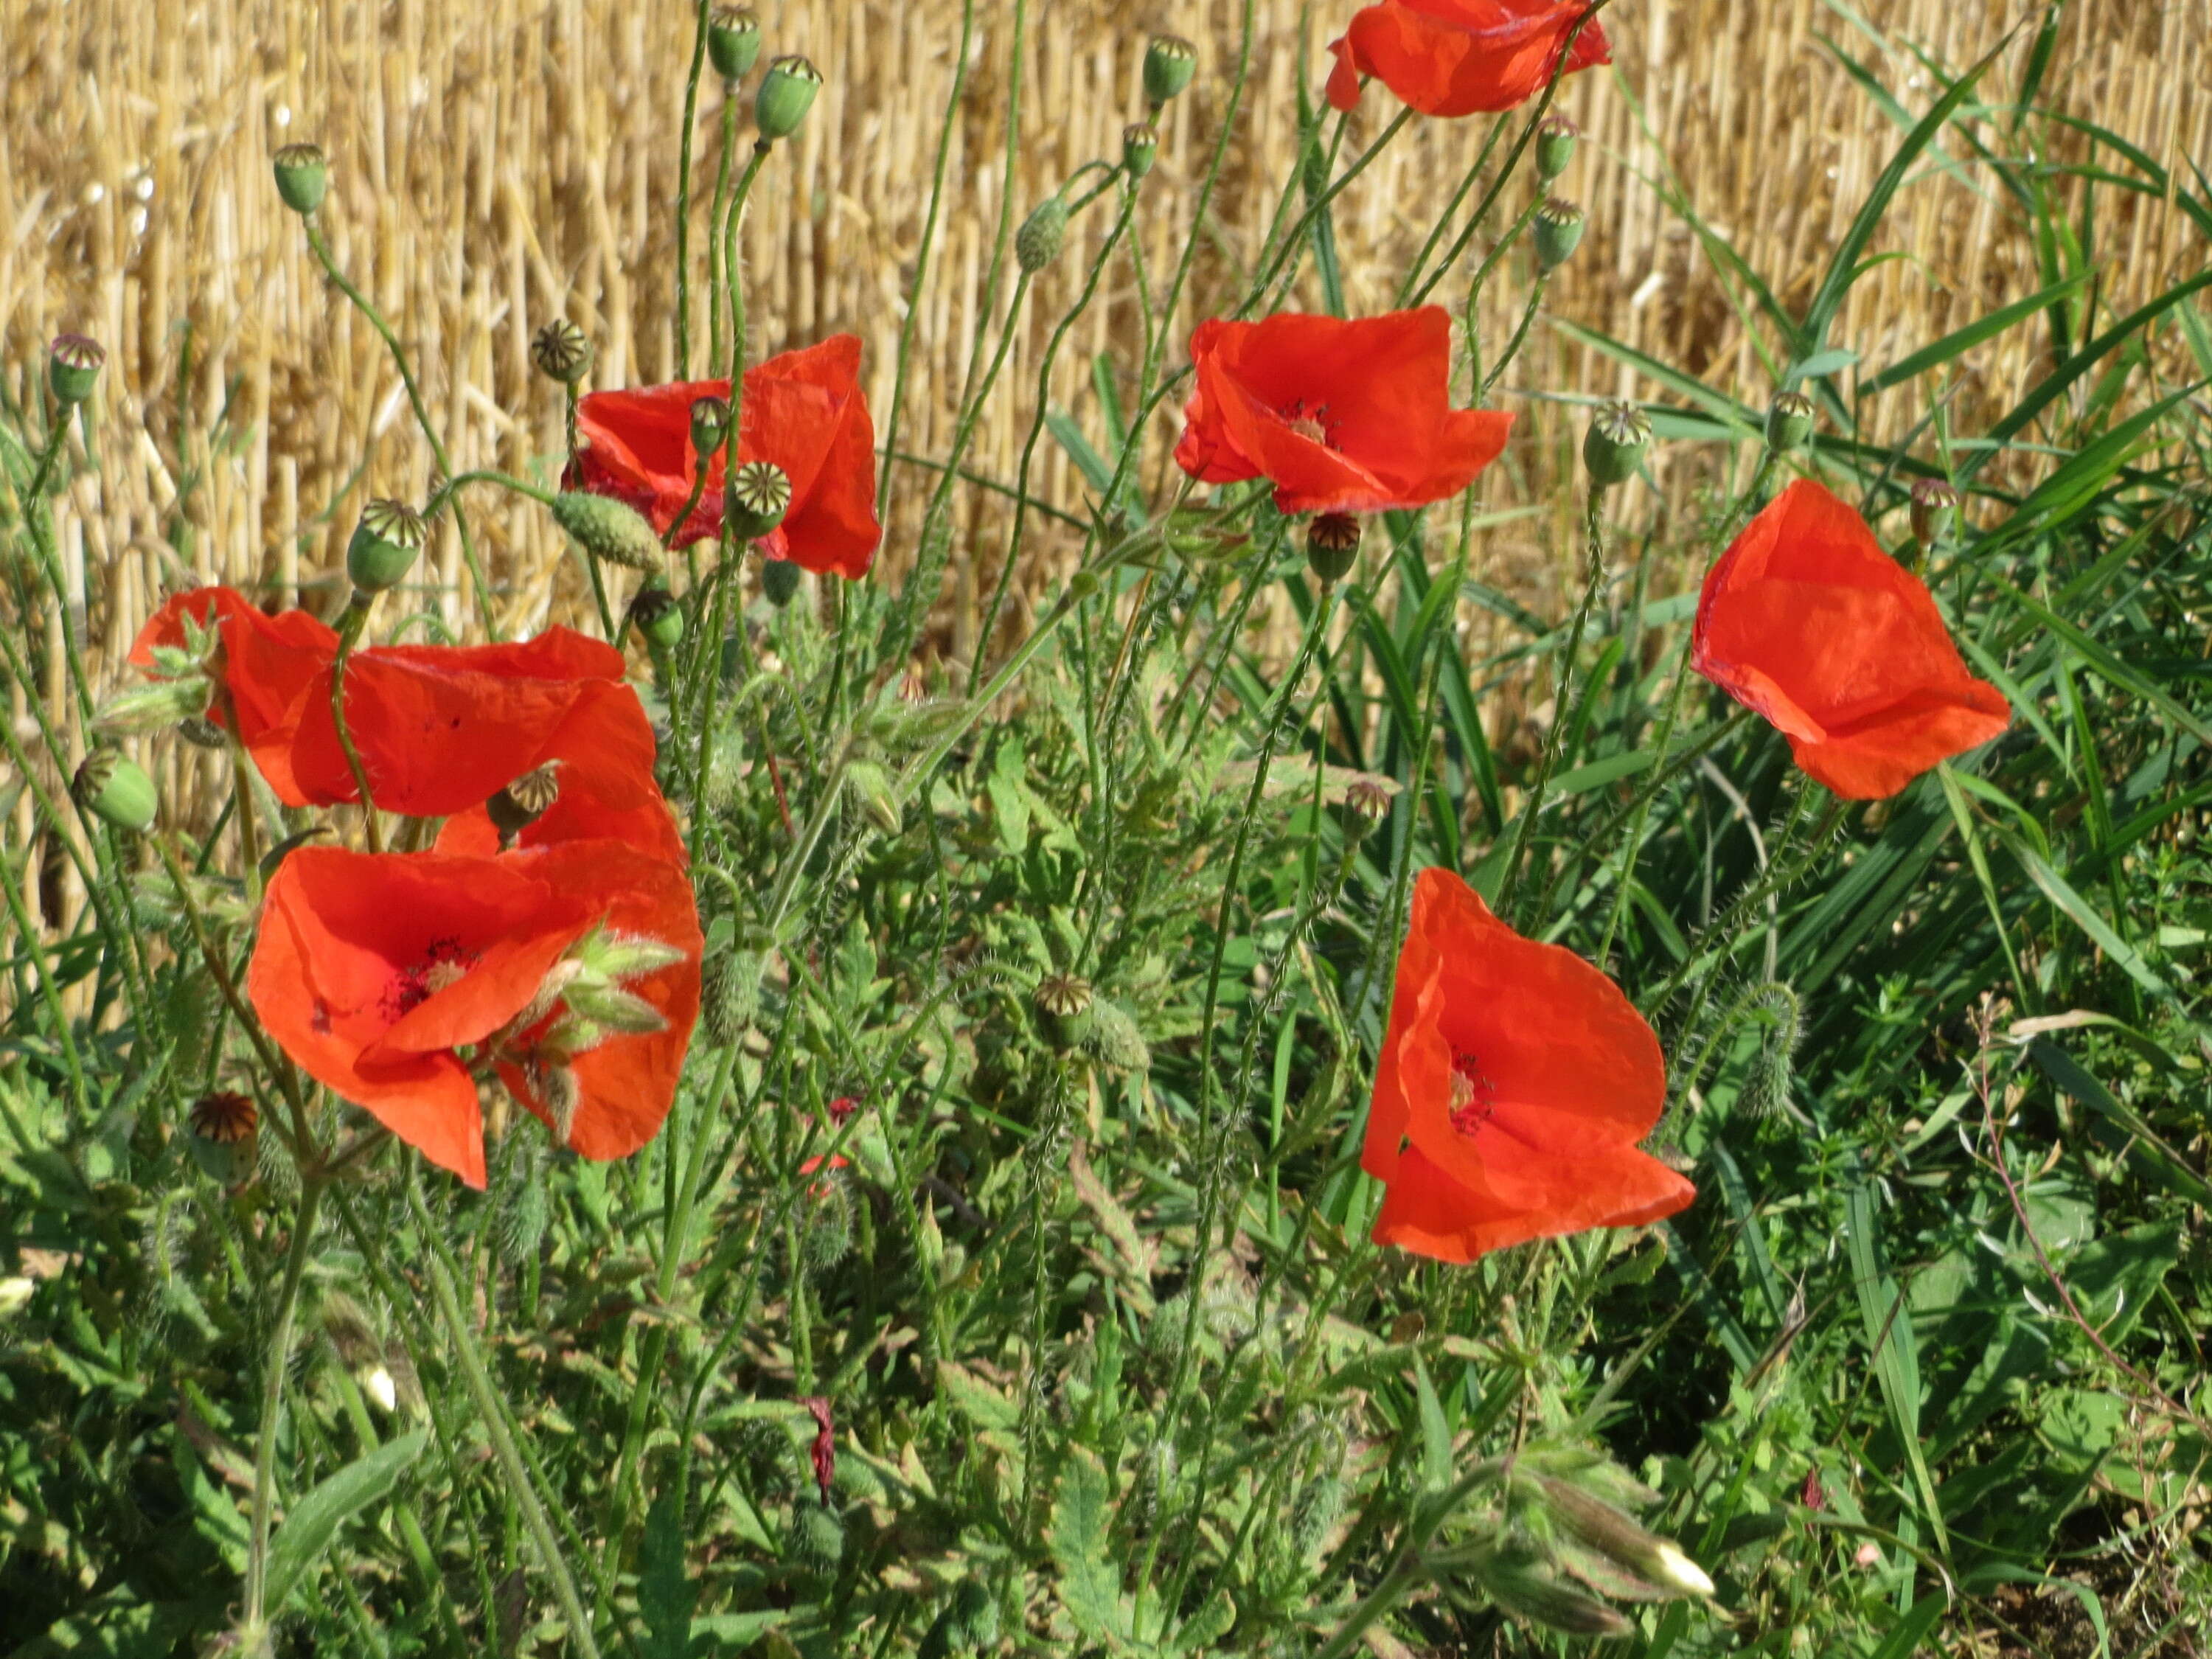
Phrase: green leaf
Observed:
(1965, 339)
(311, 1523)
(1436, 1432)
(1090, 1585)
(665, 1594)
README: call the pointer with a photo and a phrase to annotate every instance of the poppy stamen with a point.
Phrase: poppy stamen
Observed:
(443, 965)
(1474, 1097)
(1310, 423)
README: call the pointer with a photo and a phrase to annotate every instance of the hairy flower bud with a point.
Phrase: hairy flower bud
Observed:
(817, 1539)
(1039, 241)
(757, 498)
(1555, 146)
(1788, 422)
(1527, 1588)
(734, 41)
(1614, 446)
(609, 529)
(386, 544)
(778, 581)
(223, 1135)
(871, 788)
(1169, 64)
(1332, 546)
(1615, 1536)
(158, 707)
(1141, 148)
(656, 615)
(787, 93)
(73, 365)
(561, 351)
(303, 177)
(1556, 232)
(732, 999)
(1116, 1039)
(1934, 502)
(710, 419)
(115, 790)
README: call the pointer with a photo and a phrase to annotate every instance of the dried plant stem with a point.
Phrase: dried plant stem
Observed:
(272, 1401)
(360, 302)
(519, 1489)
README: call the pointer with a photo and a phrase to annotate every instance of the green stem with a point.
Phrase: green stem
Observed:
(1443, 220)
(360, 302)
(444, 495)
(1593, 577)
(35, 948)
(684, 197)
(356, 617)
(272, 1400)
(520, 1488)
(1296, 241)
(1521, 333)
(714, 272)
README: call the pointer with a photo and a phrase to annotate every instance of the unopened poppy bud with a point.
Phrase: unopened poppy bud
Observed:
(1614, 446)
(1366, 803)
(778, 581)
(115, 790)
(1526, 1589)
(1558, 233)
(826, 1239)
(1063, 1004)
(1788, 422)
(223, 1133)
(1169, 63)
(554, 1082)
(623, 1012)
(609, 529)
(656, 615)
(1141, 148)
(787, 93)
(73, 364)
(202, 732)
(1038, 242)
(734, 41)
(1555, 146)
(524, 801)
(818, 1538)
(1614, 1535)
(733, 994)
(755, 500)
(871, 788)
(1332, 546)
(386, 544)
(157, 706)
(1116, 1037)
(1934, 501)
(561, 351)
(303, 176)
(710, 419)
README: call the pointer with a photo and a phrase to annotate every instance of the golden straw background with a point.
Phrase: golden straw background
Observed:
(499, 162)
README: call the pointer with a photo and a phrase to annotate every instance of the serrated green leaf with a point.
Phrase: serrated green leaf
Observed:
(1090, 1585)
(665, 1594)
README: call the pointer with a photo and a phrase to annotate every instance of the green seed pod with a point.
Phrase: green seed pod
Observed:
(1555, 146)
(817, 1539)
(826, 1238)
(561, 351)
(755, 499)
(386, 544)
(1064, 1008)
(710, 419)
(1526, 1590)
(1558, 232)
(222, 1135)
(1934, 504)
(725, 771)
(734, 41)
(114, 790)
(1788, 422)
(656, 615)
(1614, 446)
(1141, 148)
(787, 93)
(303, 177)
(1169, 64)
(73, 365)
(1043, 234)
(1117, 1039)
(778, 581)
(1332, 546)
(524, 801)
(609, 529)
(1319, 1504)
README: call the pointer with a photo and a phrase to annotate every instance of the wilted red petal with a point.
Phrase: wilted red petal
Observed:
(1514, 1081)
(1453, 58)
(266, 672)
(1806, 622)
(1342, 417)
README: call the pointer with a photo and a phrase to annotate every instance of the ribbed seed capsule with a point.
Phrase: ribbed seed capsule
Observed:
(710, 419)
(1063, 1005)
(1788, 422)
(524, 801)
(115, 790)
(1141, 147)
(1558, 231)
(303, 176)
(73, 365)
(1332, 546)
(1613, 446)
(561, 351)
(224, 1130)
(1555, 146)
(1169, 63)
(787, 93)
(386, 544)
(779, 580)
(734, 41)
(656, 615)
(609, 529)
(1934, 503)
(755, 500)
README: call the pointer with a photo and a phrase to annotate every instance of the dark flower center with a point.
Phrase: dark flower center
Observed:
(1474, 1097)
(1309, 421)
(444, 963)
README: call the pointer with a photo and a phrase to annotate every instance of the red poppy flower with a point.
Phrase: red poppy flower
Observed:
(1343, 416)
(372, 970)
(1808, 623)
(1462, 57)
(803, 410)
(1513, 1083)
(440, 729)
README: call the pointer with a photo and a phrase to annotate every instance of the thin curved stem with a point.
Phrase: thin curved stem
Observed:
(356, 617)
(683, 196)
(272, 1400)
